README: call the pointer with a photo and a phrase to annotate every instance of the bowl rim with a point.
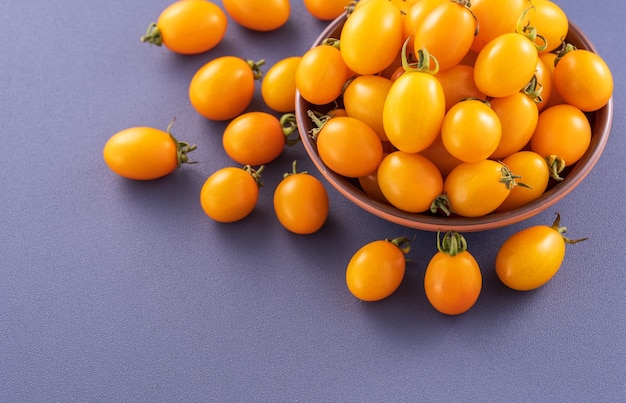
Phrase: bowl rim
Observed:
(601, 126)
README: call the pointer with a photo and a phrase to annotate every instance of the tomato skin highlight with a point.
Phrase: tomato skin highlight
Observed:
(229, 194)
(278, 87)
(211, 89)
(321, 75)
(254, 138)
(258, 15)
(141, 153)
(190, 27)
(414, 111)
(301, 203)
(375, 271)
(372, 37)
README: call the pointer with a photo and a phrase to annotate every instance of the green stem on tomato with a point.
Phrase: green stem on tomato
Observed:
(533, 90)
(289, 124)
(256, 68)
(153, 35)
(423, 63)
(530, 32)
(294, 170)
(403, 243)
(256, 173)
(182, 148)
(556, 225)
(452, 243)
(556, 165)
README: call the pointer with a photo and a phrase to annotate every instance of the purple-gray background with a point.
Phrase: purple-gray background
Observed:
(113, 290)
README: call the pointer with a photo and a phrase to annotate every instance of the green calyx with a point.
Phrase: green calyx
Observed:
(509, 179)
(442, 203)
(565, 48)
(403, 243)
(533, 90)
(153, 35)
(256, 173)
(556, 225)
(256, 68)
(556, 165)
(294, 170)
(335, 43)
(290, 126)
(318, 120)
(530, 32)
(182, 148)
(425, 63)
(452, 243)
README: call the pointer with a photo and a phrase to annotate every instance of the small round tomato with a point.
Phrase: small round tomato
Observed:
(550, 21)
(188, 27)
(376, 270)
(231, 193)
(533, 171)
(583, 79)
(518, 115)
(475, 189)
(505, 65)
(447, 32)
(145, 153)
(414, 111)
(458, 84)
(495, 17)
(409, 182)
(531, 257)
(417, 12)
(441, 157)
(349, 147)
(258, 15)
(326, 10)
(371, 37)
(211, 89)
(278, 87)
(301, 202)
(564, 131)
(321, 74)
(256, 138)
(471, 130)
(453, 280)
(364, 99)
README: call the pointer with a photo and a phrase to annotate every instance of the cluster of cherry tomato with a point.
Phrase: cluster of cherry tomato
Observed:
(450, 106)
(424, 113)
(453, 279)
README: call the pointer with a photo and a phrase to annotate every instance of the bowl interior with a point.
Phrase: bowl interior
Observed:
(600, 123)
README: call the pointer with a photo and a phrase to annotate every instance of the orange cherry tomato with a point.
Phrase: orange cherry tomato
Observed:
(518, 115)
(453, 280)
(543, 75)
(471, 130)
(364, 99)
(145, 153)
(496, 17)
(211, 89)
(326, 10)
(564, 131)
(441, 157)
(583, 79)
(256, 138)
(321, 75)
(278, 87)
(416, 13)
(230, 194)
(258, 15)
(371, 37)
(376, 270)
(505, 65)
(533, 171)
(409, 182)
(188, 27)
(349, 147)
(447, 32)
(550, 21)
(301, 202)
(458, 84)
(475, 189)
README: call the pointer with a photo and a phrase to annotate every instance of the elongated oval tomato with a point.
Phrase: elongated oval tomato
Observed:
(326, 10)
(564, 131)
(505, 65)
(349, 147)
(452, 280)
(254, 138)
(583, 79)
(144, 153)
(321, 74)
(230, 194)
(409, 182)
(188, 27)
(414, 111)
(211, 89)
(301, 203)
(416, 13)
(534, 173)
(475, 189)
(447, 32)
(376, 270)
(364, 99)
(471, 130)
(531, 257)
(278, 87)
(258, 15)
(371, 37)
(518, 115)
(550, 21)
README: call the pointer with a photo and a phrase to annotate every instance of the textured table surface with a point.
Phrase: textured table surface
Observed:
(113, 290)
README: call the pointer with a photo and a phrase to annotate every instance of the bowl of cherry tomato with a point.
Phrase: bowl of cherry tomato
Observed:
(425, 182)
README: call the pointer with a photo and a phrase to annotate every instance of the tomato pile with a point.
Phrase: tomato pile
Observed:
(440, 106)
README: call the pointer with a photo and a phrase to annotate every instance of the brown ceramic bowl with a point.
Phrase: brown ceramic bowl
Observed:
(600, 124)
